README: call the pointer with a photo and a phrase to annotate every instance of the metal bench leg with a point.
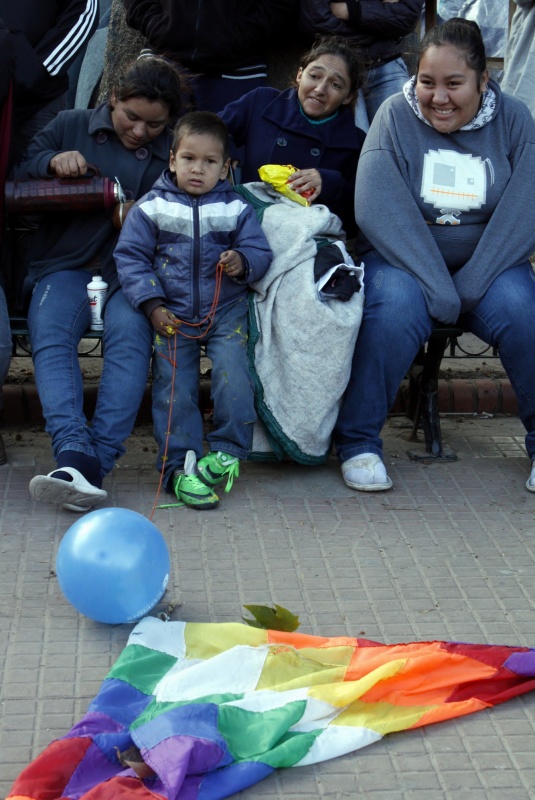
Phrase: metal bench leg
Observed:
(427, 407)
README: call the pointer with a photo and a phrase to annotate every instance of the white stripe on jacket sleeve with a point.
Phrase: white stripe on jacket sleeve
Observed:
(72, 41)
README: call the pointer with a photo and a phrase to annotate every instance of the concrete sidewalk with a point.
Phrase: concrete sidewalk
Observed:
(448, 554)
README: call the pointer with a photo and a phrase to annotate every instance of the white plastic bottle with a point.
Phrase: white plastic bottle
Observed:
(97, 289)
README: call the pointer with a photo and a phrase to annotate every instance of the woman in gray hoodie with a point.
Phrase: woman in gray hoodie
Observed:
(445, 209)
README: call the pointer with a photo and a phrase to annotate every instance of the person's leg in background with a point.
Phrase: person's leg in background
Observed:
(395, 325)
(382, 81)
(27, 121)
(361, 114)
(5, 359)
(86, 70)
(504, 317)
(214, 93)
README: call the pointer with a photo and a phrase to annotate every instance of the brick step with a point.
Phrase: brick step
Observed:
(458, 395)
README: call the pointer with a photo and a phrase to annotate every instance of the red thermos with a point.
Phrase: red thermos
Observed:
(52, 195)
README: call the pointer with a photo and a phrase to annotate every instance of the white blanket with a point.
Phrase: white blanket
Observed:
(300, 343)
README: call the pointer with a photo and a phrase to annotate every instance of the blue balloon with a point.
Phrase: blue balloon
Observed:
(113, 565)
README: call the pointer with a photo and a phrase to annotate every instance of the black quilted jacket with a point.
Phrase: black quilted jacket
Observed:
(374, 26)
(212, 36)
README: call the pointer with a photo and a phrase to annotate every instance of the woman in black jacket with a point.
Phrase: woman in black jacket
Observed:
(223, 45)
(47, 35)
(375, 28)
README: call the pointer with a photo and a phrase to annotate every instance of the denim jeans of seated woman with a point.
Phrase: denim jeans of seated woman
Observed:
(232, 390)
(395, 324)
(57, 320)
(382, 82)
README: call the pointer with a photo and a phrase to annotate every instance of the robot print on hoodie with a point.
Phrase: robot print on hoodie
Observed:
(455, 182)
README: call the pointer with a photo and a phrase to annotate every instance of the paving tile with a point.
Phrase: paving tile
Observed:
(449, 554)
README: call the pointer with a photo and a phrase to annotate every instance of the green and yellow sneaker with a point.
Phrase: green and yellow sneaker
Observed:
(192, 491)
(215, 467)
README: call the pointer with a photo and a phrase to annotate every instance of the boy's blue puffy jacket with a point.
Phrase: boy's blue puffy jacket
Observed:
(171, 242)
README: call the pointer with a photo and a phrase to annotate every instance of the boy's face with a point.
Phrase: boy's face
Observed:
(198, 163)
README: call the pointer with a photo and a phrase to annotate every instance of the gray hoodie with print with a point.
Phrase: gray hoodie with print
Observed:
(454, 210)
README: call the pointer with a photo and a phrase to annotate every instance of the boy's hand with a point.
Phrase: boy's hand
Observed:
(164, 322)
(232, 263)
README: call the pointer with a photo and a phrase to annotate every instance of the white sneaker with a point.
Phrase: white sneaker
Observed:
(75, 495)
(190, 463)
(367, 473)
(530, 483)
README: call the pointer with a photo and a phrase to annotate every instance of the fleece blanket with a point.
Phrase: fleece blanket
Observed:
(300, 342)
(204, 710)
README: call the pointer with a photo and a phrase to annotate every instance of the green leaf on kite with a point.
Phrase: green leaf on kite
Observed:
(275, 618)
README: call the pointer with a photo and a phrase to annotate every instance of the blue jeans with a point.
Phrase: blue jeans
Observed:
(5, 342)
(381, 82)
(213, 94)
(232, 390)
(57, 319)
(396, 324)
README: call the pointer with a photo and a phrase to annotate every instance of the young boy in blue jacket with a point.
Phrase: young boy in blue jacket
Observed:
(188, 230)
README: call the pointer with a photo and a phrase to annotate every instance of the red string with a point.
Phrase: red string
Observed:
(172, 360)
(211, 314)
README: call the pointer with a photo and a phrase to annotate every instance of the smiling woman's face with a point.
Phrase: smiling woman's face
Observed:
(323, 86)
(137, 120)
(448, 90)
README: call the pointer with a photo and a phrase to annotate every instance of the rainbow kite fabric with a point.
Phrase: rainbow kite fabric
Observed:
(214, 708)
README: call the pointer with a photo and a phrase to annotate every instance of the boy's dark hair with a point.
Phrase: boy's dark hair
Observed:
(463, 34)
(156, 79)
(202, 123)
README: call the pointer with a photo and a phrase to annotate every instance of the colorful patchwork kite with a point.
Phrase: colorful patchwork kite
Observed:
(198, 711)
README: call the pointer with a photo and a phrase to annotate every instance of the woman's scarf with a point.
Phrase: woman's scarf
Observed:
(484, 115)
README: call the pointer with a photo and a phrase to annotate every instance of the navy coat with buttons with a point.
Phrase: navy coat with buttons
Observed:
(73, 241)
(271, 128)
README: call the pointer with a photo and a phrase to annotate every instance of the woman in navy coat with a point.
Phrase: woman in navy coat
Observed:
(310, 126)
